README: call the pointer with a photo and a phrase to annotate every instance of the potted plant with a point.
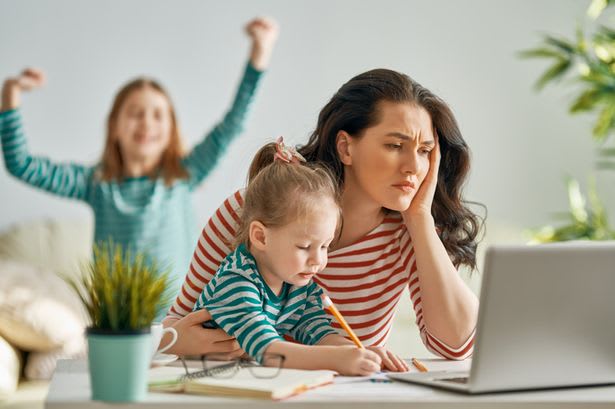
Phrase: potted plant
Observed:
(590, 63)
(122, 294)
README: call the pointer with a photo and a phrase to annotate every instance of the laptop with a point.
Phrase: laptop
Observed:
(546, 319)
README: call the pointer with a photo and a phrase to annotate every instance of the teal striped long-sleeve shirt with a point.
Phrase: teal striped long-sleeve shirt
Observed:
(243, 305)
(142, 214)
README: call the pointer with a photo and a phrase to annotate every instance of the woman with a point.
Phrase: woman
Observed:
(384, 137)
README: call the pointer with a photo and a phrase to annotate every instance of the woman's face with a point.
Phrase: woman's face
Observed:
(390, 160)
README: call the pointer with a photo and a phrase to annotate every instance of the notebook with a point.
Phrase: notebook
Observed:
(242, 384)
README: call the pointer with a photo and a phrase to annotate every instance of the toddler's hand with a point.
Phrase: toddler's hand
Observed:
(390, 361)
(353, 361)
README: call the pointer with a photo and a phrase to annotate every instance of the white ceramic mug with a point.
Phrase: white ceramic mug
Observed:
(157, 331)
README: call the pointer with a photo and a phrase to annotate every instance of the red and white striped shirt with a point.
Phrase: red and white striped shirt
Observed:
(364, 280)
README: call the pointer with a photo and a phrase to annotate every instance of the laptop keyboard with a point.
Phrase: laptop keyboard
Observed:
(461, 379)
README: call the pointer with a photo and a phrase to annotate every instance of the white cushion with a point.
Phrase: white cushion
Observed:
(10, 368)
(41, 365)
(38, 310)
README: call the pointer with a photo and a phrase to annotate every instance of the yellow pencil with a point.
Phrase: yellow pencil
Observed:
(328, 304)
(419, 365)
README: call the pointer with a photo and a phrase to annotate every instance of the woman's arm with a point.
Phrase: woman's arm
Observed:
(448, 306)
(193, 339)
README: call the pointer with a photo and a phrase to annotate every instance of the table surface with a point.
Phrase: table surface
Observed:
(70, 388)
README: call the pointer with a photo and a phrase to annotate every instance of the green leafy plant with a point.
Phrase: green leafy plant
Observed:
(121, 291)
(589, 62)
(587, 219)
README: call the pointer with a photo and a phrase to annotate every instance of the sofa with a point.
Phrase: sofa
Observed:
(41, 319)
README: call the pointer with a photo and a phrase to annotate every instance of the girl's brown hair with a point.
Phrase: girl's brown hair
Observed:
(280, 192)
(112, 163)
(355, 107)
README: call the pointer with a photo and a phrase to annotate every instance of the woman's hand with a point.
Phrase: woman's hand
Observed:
(29, 79)
(264, 32)
(193, 339)
(390, 361)
(423, 200)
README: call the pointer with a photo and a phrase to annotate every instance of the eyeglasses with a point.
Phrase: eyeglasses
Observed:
(218, 366)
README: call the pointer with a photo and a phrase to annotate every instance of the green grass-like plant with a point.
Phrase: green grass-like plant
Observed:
(119, 290)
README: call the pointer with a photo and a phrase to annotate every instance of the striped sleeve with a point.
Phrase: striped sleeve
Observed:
(212, 247)
(432, 343)
(236, 305)
(314, 324)
(68, 180)
(207, 153)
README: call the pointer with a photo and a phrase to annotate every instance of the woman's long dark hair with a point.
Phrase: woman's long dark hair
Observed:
(355, 107)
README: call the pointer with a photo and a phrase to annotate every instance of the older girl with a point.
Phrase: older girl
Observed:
(140, 190)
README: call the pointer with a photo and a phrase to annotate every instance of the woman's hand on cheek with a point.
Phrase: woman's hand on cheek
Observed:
(423, 200)
(193, 339)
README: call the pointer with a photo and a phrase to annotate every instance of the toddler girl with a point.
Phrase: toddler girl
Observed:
(263, 290)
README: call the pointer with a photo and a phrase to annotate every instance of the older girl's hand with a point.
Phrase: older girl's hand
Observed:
(29, 79)
(264, 33)
(193, 339)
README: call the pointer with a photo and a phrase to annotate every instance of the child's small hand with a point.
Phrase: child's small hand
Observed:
(353, 361)
(264, 32)
(29, 79)
(390, 361)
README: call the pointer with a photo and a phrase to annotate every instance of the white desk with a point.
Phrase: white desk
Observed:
(70, 388)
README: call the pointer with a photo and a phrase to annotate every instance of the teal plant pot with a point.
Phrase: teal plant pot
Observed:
(119, 363)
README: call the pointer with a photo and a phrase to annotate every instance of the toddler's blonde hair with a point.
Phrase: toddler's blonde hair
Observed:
(280, 192)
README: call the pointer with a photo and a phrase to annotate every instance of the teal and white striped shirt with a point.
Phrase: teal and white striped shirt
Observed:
(142, 214)
(243, 305)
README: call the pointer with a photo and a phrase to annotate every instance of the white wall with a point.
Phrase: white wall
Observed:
(523, 143)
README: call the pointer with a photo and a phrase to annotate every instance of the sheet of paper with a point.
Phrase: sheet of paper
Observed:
(378, 387)
(364, 391)
(377, 377)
